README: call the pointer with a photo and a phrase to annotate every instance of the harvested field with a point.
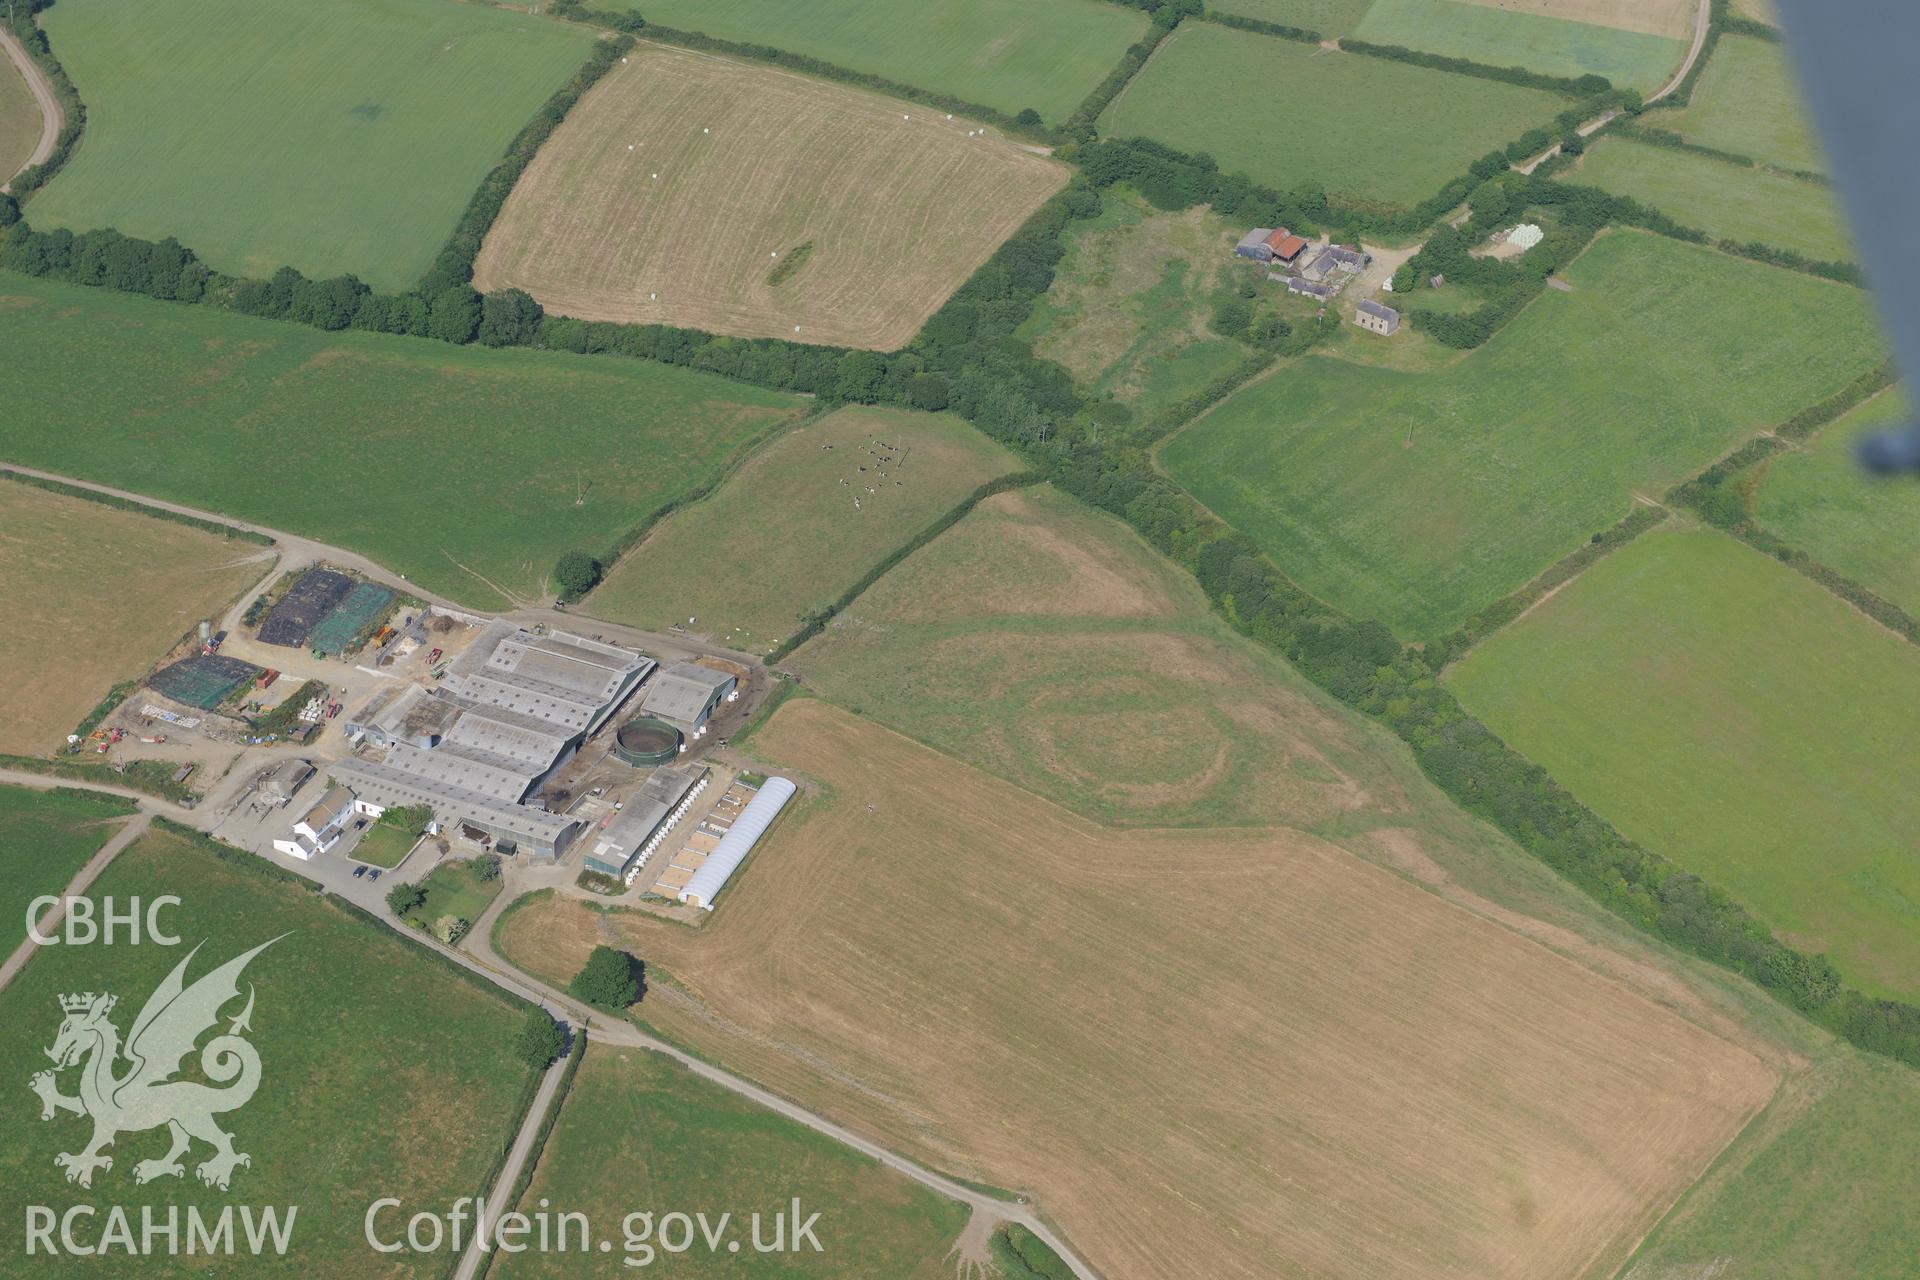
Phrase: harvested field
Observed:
(264, 133)
(1739, 719)
(466, 469)
(1728, 201)
(383, 1072)
(1418, 498)
(1129, 308)
(108, 592)
(1820, 1187)
(19, 119)
(1748, 102)
(1230, 1054)
(1821, 502)
(799, 524)
(671, 193)
(1005, 54)
(1368, 130)
(640, 1129)
(1046, 643)
(1536, 37)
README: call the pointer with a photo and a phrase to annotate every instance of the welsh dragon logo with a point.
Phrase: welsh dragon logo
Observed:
(146, 1093)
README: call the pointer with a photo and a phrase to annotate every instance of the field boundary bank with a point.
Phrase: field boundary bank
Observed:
(1621, 127)
(632, 540)
(817, 621)
(1443, 653)
(1722, 496)
(233, 533)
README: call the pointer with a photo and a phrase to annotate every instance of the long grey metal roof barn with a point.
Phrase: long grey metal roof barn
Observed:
(737, 843)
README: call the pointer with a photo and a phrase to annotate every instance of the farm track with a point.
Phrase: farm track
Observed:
(1701, 19)
(52, 118)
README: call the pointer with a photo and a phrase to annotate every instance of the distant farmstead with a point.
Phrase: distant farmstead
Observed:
(1271, 244)
(1371, 316)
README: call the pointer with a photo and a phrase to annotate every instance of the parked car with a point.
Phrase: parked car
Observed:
(358, 872)
(374, 874)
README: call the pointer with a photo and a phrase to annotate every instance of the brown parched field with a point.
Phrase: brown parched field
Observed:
(1239, 1053)
(96, 596)
(678, 188)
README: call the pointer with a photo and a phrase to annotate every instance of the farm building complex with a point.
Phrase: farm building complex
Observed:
(511, 712)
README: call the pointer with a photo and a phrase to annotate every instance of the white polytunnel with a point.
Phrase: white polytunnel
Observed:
(737, 843)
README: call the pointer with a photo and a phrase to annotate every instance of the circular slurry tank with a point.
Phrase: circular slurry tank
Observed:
(644, 742)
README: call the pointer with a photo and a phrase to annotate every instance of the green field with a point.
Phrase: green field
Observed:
(1741, 720)
(384, 846)
(455, 889)
(19, 120)
(1331, 18)
(1820, 1187)
(45, 837)
(1005, 54)
(1509, 38)
(469, 470)
(1724, 200)
(383, 1073)
(640, 1133)
(1819, 500)
(338, 137)
(1417, 498)
(783, 535)
(1748, 102)
(1128, 311)
(1284, 113)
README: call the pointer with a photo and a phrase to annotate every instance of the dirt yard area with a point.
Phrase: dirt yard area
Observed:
(1653, 17)
(686, 189)
(97, 596)
(1234, 1054)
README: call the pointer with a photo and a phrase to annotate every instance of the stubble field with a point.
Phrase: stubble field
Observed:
(108, 592)
(801, 521)
(342, 137)
(740, 199)
(1047, 644)
(1417, 498)
(1159, 1032)
(1739, 718)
